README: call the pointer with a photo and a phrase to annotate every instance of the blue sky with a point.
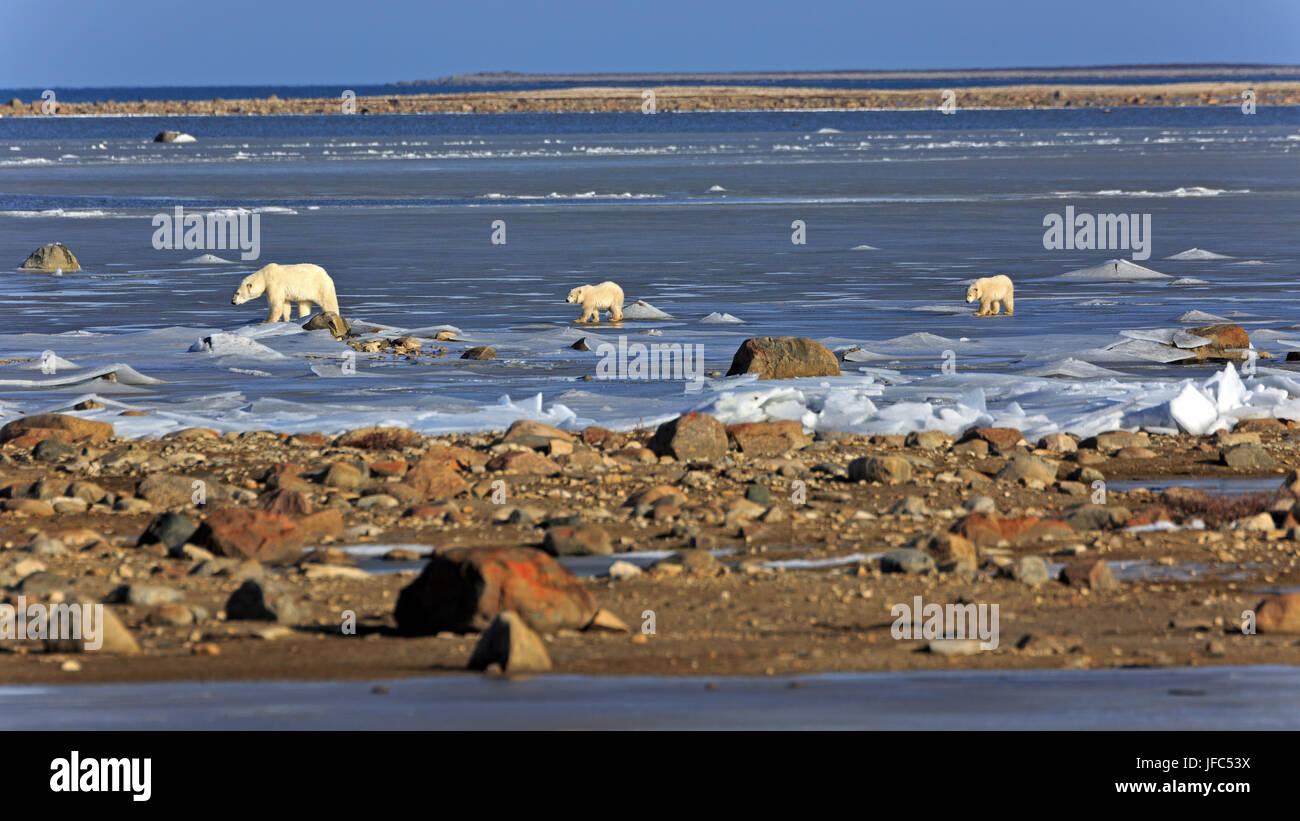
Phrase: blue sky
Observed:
(68, 43)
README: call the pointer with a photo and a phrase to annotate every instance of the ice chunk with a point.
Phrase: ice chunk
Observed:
(644, 310)
(223, 344)
(1139, 350)
(53, 364)
(920, 341)
(1201, 316)
(716, 189)
(716, 318)
(1115, 270)
(1183, 339)
(123, 374)
(1165, 336)
(864, 248)
(856, 354)
(1232, 393)
(1072, 368)
(1197, 254)
(207, 259)
(1193, 410)
(1186, 282)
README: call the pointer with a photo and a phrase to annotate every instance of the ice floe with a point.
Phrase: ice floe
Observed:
(643, 310)
(716, 318)
(1195, 254)
(1114, 270)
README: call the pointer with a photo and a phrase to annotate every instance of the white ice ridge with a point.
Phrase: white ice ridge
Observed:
(123, 374)
(207, 259)
(952, 403)
(716, 318)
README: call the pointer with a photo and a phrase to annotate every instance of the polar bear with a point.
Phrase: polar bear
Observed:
(606, 296)
(285, 284)
(994, 294)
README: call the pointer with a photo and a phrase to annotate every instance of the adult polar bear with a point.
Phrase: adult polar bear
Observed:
(284, 284)
(994, 294)
(607, 296)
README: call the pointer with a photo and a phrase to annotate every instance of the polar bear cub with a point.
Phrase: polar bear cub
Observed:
(606, 296)
(284, 284)
(994, 294)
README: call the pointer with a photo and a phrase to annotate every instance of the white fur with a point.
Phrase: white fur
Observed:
(286, 284)
(606, 296)
(994, 294)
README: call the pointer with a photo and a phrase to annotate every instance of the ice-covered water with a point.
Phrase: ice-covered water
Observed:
(693, 214)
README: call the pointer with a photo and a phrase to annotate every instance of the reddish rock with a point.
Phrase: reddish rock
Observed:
(396, 467)
(311, 440)
(695, 437)
(432, 478)
(77, 429)
(784, 357)
(526, 462)
(34, 436)
(452, 456)
(986, 529)
(999, 439)
(651, 495)
(1094, 574)
(1223, 336)
(316, 528)
(767, 438)
(595, 436)
(464, 589)
(250, 534)
(1278, 614)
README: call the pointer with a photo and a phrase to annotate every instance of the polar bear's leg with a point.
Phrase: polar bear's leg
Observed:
(273, 311)
(304, 308)
(995, 307)
(1010, 302)
(616, 312)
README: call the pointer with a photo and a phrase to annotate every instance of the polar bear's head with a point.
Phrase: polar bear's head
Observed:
(253, 286)
(973, 292)
(576, 295)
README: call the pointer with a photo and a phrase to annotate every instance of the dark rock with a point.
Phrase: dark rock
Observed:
(52, 258)
(169, 529)
(784, 357)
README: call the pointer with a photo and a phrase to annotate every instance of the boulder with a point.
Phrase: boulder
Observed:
(509, 643)
(767, 438)
(113, 634)
(1093, 574)
(71, 428)
(526, 462)
(694, 437)
(173, 137)
(1278, 614)
(885, 469)
(526, 430)
(1247, 455)
(480, 352)
(583, 540)
(380, 439)
(999, 439)
(784, 357)
(250, 534)
(464, 589)
(329, 321)
(1025, 467)
(262, 601)
(52, 258)
(169, 529)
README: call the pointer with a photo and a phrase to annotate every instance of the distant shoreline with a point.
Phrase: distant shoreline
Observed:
(703, 98)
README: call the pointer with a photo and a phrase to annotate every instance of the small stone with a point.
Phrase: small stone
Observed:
(907, 560)
(624, 570)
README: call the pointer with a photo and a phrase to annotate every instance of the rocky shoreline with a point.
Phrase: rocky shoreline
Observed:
(700, 98)
(219, 555)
